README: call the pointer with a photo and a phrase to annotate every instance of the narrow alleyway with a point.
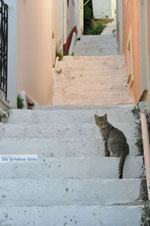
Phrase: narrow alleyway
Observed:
(94, 76)
(98, 45)
(73, 183)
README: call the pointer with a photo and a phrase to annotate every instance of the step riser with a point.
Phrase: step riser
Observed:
(84, 89)
(97, 81)
(79, 216)
(93, 58)
(74, 168)
(87, 102)
(59, 148)
(92, 69)
(70, 116)
(68, 192)
(109, 108)
(58, 131)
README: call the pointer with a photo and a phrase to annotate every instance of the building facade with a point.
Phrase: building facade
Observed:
(36, 28)
(104, 9)
(133, 34)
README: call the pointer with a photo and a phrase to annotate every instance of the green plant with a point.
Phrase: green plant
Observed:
(88, 15)
(59, 54)
(139, 143)
(145, 220)
(4, 117)
(20, 104)
(106, 17)
(135, 111)
(96, 29)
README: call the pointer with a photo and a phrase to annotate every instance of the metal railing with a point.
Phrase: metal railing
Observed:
(3, 47)
(146, 145)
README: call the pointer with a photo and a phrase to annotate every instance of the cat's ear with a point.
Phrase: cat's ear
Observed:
(105, 116)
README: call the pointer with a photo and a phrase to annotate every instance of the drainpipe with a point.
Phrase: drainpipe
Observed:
(146, 146)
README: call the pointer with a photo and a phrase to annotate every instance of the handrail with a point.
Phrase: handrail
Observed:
(146, 145)
(86, 3)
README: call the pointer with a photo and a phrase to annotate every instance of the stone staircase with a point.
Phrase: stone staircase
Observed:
(72, 183)
(90, 80)
(97, 45)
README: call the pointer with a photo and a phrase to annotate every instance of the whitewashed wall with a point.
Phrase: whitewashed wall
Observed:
(103, 8)
(79, 16)
(69, 17)
(61, 24)
(12, 57)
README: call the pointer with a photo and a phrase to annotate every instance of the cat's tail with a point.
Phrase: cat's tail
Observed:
(122, 160)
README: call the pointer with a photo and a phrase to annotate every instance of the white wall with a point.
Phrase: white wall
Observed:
(103, 8)
(12, 63)
(79, 16)
(71, 16)
(70, 20)
(113, 8)
(61, 24)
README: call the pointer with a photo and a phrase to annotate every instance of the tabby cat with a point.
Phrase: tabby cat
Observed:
(114, 140)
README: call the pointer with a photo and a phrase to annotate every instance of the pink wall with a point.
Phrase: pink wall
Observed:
(148, 27)
(131, 22)
(34, 38)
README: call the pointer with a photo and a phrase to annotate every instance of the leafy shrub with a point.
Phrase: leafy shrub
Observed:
(96, 29)
(88, 15)
(59, 54)
(20, 104)
(146, 214)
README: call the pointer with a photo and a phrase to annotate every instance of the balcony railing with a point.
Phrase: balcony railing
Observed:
(3, 47)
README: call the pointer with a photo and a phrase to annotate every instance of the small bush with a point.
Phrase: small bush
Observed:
(146, 214)
(88, 15)
(59, 54)
(96, 29)
(139, 143)
(20, 104)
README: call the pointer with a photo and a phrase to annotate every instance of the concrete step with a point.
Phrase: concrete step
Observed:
(103, 76)
(74, 168)
(96, 82)
(92, 67)
(93, 58)
(102, 99)
(85, 47)
(101, 45)
(59, 147)
(98, 52)
(86, 102)
(51, 192)
(89, 89)
(71, 215)
(113, 108)
(52, 114)
(61, 131)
